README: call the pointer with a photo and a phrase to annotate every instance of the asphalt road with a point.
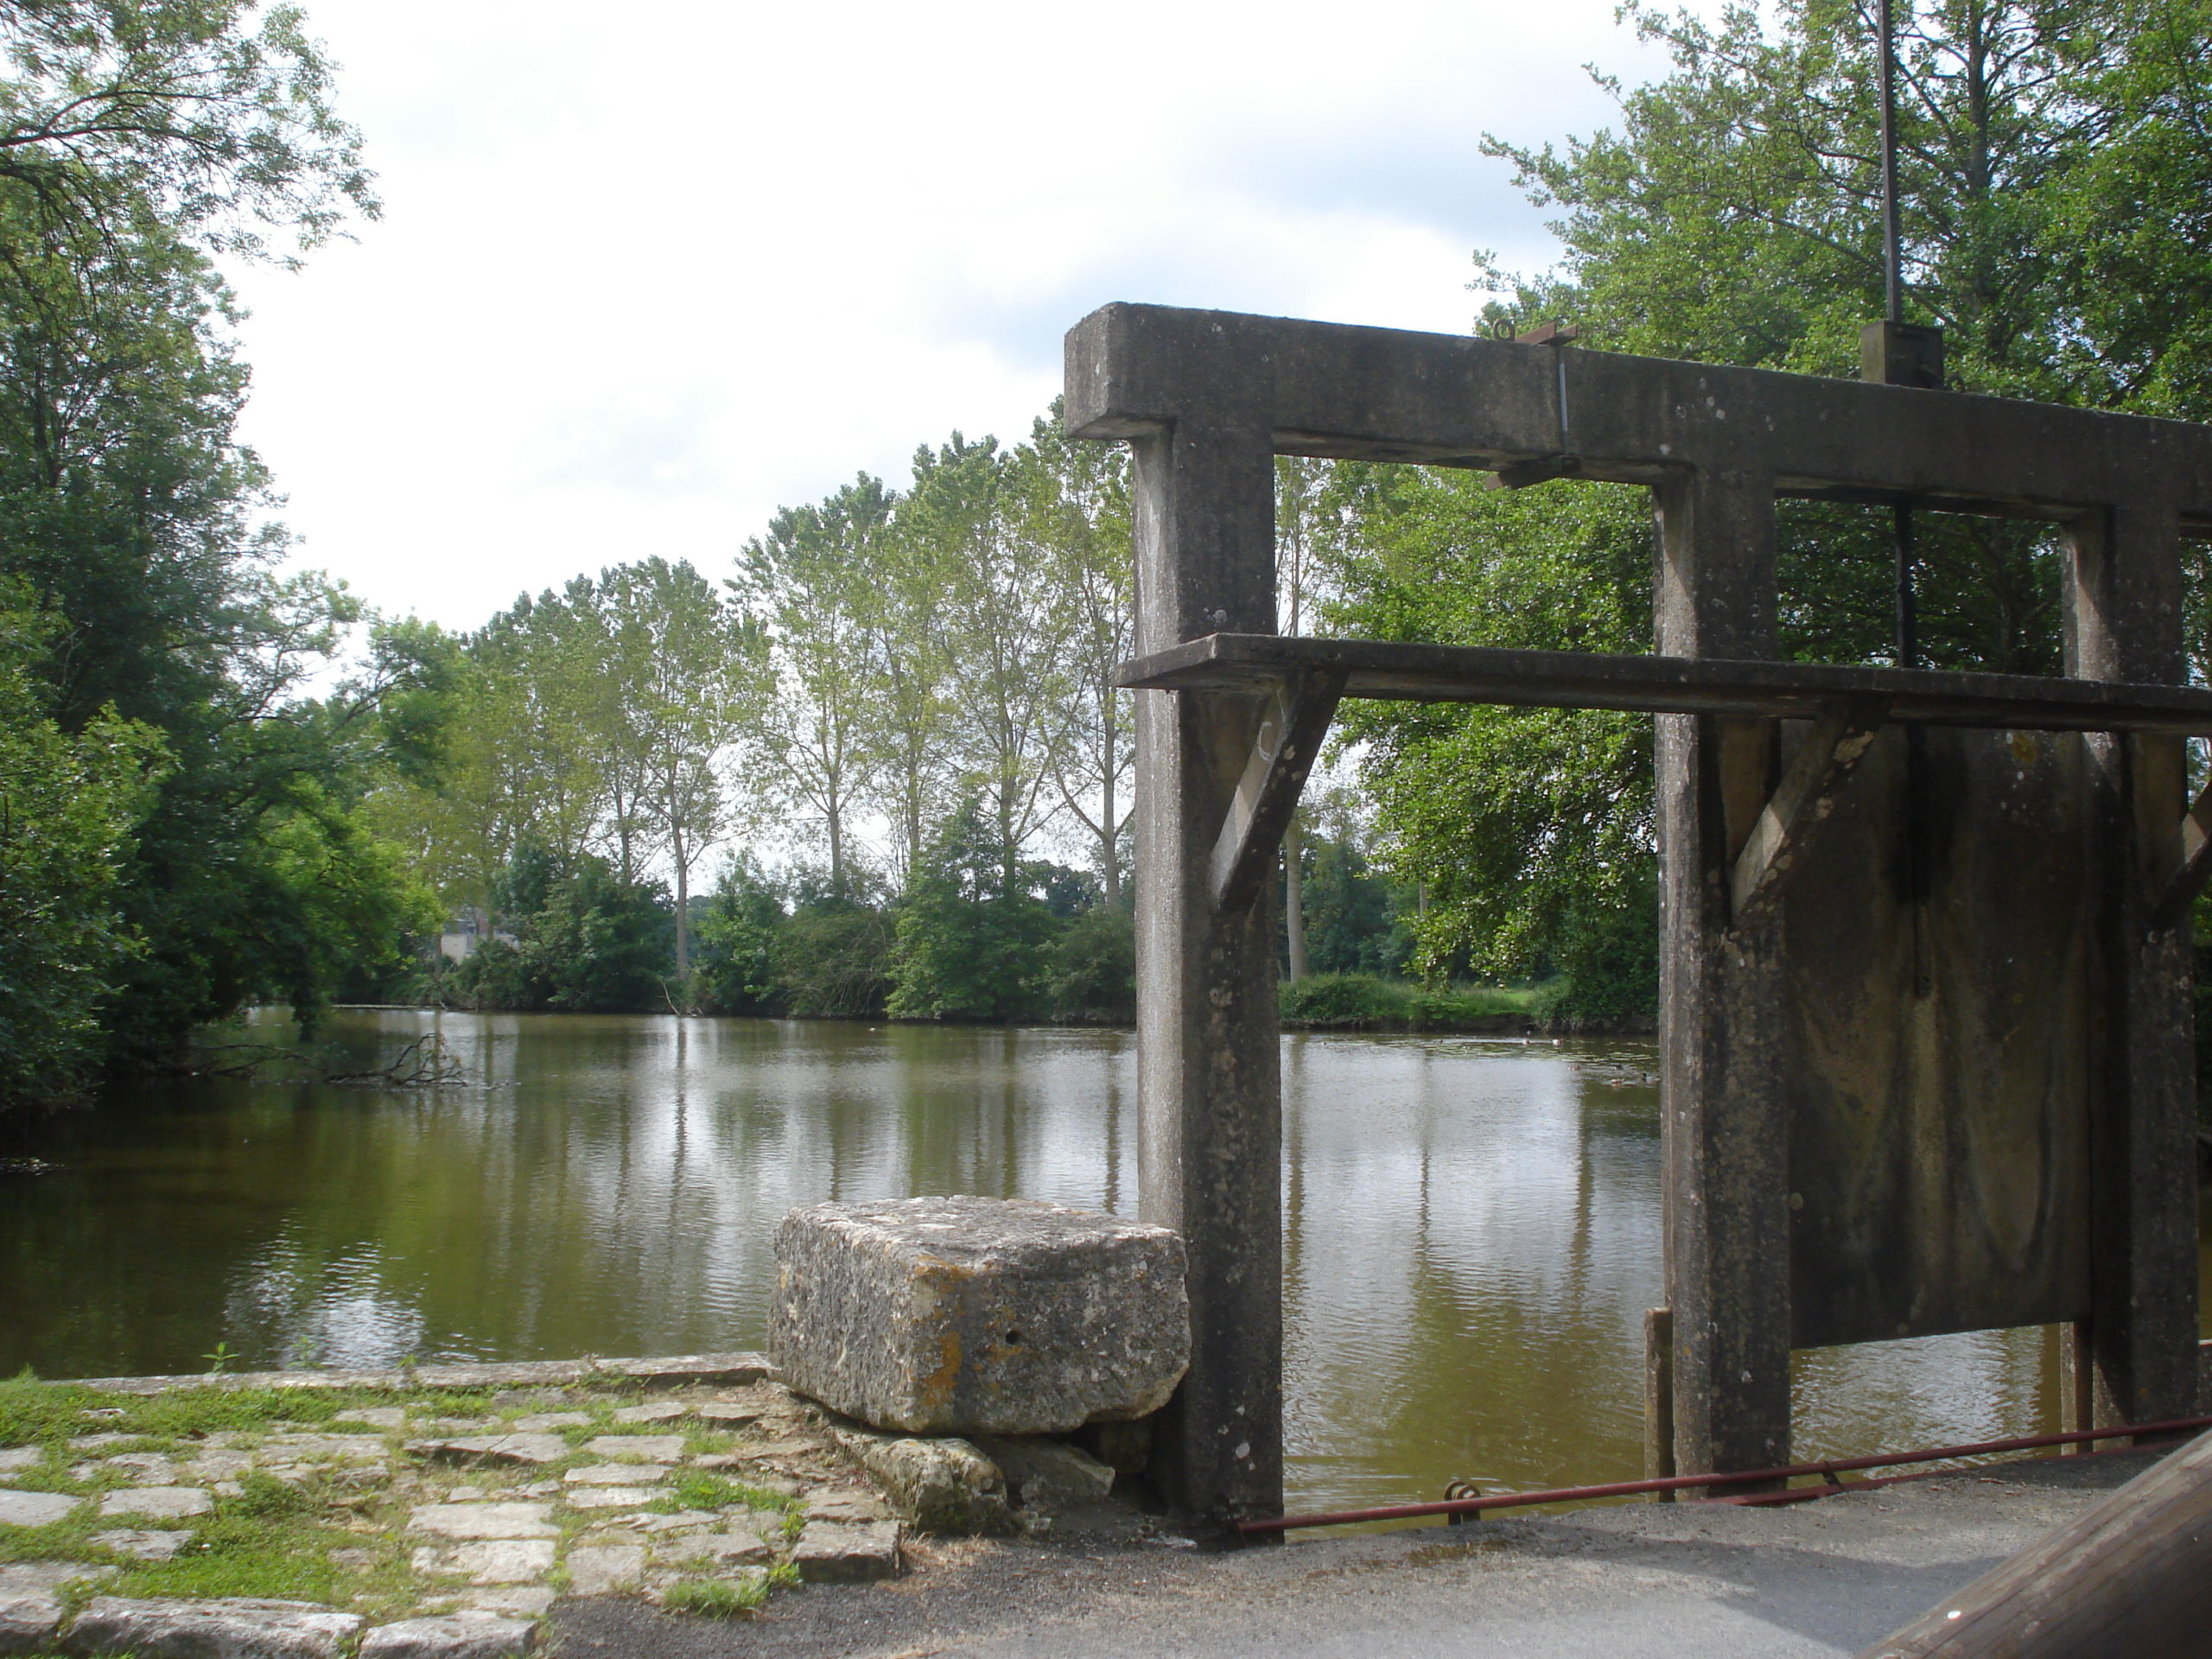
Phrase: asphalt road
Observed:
(1620, 1582)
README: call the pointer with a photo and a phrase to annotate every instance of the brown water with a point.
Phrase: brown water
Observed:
(1473, 1225)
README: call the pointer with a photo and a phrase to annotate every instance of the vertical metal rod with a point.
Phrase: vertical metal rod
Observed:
(1893, 257)
(1908, 595)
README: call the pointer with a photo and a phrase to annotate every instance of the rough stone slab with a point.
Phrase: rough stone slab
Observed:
(646, 1448)
(232, 1628)
(841, 1551)
(142, 1468)
(1047, 1474)
(100, 1442)
(218, 1462)
(473, 1521)
(616, 1474)
(610, 1498)
(44, 1578)
(391, 1417)
(959, 1315)
(721, 1414)
(16, 1458)
(454, 1636)
(845, 1506)
(368, 1448)
(34, 1509)
(939, 1485)
(653, 1411)
(547, 1422)
(504, 1560)
(726, 1548)
(516, 1601)
(681, 1521)
(604, 1569)
(158, 1503)
(733, 1370)
(493, 1448)
(147, 1545)
(28, 1623)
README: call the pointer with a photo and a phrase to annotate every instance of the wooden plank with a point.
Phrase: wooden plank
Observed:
(1564, 679)
(1291, 726)
(1801, 804)
(2128, 1577)
(2187, 865)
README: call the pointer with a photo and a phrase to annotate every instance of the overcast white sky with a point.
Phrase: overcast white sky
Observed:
(643, 277)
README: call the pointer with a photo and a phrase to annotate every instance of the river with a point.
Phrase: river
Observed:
(1472, 1224)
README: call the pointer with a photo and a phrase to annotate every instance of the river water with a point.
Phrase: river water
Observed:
(1472, 1224)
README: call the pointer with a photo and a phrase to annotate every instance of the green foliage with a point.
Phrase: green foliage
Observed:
(1370, 1003)
(971, 932)
(717, 1597)
(834, 959)
(1091, 969)
(739, 938)
(586, 939)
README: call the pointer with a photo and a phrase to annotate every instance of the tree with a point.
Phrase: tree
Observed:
(971, 932)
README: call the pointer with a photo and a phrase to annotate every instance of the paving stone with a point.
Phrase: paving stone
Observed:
(939, 1483)
(100, 1442)
(158, 1503)
(602, 1570)
(610, 1498)
(970, 1315)
(471, 1521)
(845, 1506)
(465, 1495)
(44, 1578)
(751, 1473)
(727, 1414)
(545, 1422)
(645, 1448)
(34, 1508)
(653, 1411)
(325, 1447)
(16, 1458)
(540, 1489)
(616, 1474)
(391, 1417)
(142, 1468)
(454, 1636)
(786, 1449)
(147, 1544)
(517, 1601)
(843, 1552)
(504, 1560)
(726, 1548)
(28, 1623)
(681, 1521)
(231, 1628)
(493, 1448)
(218, 1463)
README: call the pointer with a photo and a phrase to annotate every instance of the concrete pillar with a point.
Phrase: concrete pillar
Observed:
(1209, 1085)
(1724, 1115)
(2124, 622)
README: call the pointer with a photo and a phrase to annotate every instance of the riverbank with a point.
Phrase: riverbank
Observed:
(1624, 1581)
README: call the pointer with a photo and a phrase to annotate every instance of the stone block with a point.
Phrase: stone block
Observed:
(1047, 1475)
(34, 1509)
(939, 1485)
(653, 1411)
(28, 1623)
(158, 1503)
(147, 1546)
(455, 1635)
(615, 1474)
(605, 1569)
(610, 1498)
(965, 1315)
(547, 1422)
(638, 1449)
(16, 1458)
(467, 1521)
(511, 1601)
(843, 1552)
(723, 1548)
(504, 1560)
(226, 1628)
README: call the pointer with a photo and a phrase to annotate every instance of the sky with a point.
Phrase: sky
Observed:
(642, 279)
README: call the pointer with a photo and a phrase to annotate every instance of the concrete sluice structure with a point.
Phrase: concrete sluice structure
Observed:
(1926, 976)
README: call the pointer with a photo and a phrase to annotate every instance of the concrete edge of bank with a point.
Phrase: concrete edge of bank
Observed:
(732, 1370)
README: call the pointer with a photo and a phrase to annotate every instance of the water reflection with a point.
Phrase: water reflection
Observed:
(1473, 1226)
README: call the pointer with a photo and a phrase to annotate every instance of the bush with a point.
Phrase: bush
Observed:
(971, 933)
(1368, 1002)
(1091, 968)
(833, 961)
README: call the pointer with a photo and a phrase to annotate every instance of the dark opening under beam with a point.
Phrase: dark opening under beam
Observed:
(1565, 679)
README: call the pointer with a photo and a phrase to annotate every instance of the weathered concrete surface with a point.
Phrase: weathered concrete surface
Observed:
(1632, 1581)
(966, 1315)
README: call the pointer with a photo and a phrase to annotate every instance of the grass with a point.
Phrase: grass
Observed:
(703, 1489)
(717, 1598)
(1368, 1002)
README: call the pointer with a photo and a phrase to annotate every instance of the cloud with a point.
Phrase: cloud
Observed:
(638, 286)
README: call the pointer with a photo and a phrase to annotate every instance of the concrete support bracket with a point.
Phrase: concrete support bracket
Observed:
(2185, 866)
(1292, 721)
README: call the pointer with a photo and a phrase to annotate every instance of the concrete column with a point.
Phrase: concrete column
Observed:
(1209, 1085)
(1724, 1115)
(2124, 622)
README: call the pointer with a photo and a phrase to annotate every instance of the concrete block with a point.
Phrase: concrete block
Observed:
(231, 1628)
(964, 1315)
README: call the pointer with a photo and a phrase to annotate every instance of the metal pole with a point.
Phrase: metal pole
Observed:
(1892, 258)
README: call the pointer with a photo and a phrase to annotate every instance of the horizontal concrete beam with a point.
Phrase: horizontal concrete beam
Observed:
(1682, 685)
(1383, 394)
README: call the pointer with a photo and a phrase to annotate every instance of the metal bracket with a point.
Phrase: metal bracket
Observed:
(1293, 724)
(1802, 801)
(2187, 865)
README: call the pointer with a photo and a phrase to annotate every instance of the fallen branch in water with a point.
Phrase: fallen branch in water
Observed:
(426, 1063)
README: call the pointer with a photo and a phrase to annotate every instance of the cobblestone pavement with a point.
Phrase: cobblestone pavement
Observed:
(411, 1521)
